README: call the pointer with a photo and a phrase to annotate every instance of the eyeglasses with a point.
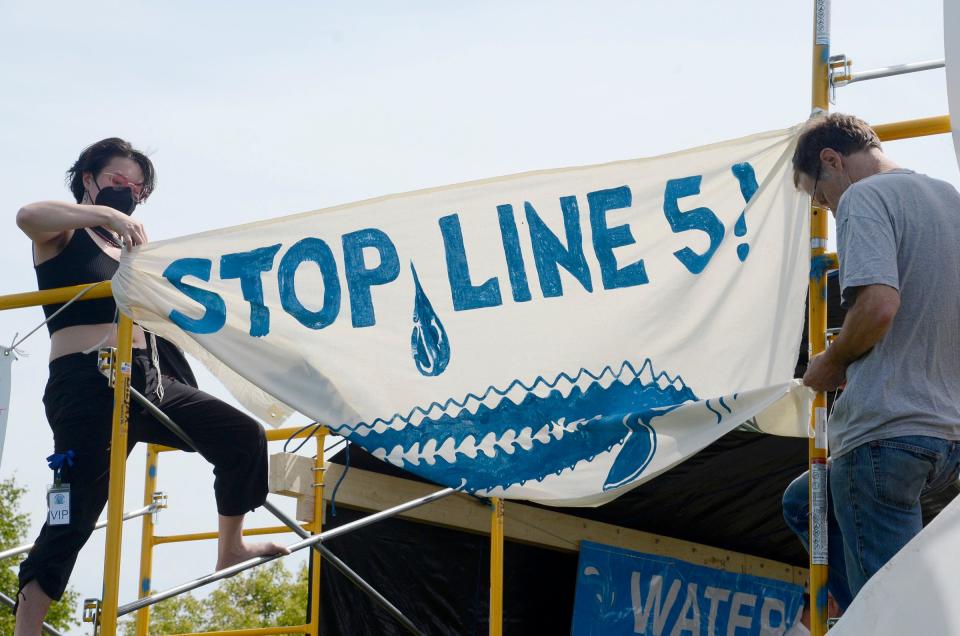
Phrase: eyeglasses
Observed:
(119, 181)
(817, 199)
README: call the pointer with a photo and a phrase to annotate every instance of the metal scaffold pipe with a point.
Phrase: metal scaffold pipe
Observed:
(12, 552)
(888, 71)
(306, 543)
(344, 569)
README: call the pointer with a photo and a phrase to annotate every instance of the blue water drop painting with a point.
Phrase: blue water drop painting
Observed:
(429, 343)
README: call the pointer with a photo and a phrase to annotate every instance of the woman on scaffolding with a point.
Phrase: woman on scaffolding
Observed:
(77, 243)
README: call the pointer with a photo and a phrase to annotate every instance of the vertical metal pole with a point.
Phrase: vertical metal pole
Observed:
(496, 568)
(118, 467)
(317, 528)
(817, 328)
(146, 539)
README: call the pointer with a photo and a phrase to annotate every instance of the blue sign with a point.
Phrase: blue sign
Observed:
(625, 592)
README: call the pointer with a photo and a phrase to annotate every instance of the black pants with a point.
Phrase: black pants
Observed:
(79, 406)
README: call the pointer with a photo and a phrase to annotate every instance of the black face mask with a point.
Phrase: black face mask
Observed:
(120, 199)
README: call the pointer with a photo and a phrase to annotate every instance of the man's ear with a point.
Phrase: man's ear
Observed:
(832, 158)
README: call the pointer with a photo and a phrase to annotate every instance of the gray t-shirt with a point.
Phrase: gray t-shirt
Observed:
(902, 229)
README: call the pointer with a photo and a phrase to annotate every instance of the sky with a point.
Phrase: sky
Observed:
(253, 111)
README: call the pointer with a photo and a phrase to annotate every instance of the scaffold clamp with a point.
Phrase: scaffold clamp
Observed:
(106, 361)
(91, 613)
(159, 503)
(840, 72)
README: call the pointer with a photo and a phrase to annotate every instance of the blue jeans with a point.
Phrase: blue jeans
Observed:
(875, 494)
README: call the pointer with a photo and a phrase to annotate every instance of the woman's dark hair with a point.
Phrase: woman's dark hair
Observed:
(844, 133)
(95, 157)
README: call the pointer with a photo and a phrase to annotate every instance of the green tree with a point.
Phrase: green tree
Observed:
(13, 532)
(264, 597)
(178, 615)
(267, 596)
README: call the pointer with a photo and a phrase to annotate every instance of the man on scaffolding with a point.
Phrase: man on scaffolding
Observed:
(894, 434)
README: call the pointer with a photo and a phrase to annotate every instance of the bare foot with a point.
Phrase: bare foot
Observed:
(245, 551)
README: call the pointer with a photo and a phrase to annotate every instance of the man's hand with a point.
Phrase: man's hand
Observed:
(865, 325)
(823, 374)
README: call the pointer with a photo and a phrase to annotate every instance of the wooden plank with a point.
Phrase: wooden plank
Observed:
(290, 475)
(305, 509)
(365, 490)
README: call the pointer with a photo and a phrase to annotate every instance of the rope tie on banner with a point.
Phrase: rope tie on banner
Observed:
(96, 347)
(155, 361)
(83, 292)
(306, 438)
(13, 349)
(346, 467)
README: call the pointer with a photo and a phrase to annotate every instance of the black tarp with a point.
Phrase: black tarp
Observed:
(439, 579)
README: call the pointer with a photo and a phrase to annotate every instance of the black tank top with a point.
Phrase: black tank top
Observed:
(81, 261)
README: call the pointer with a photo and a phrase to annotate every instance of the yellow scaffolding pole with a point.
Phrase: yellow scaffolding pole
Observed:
(913, 128)
(496, 567)
(204, 536)
(147, 540)
(118, 470)
(272, 435)
(816, 332)
(55, 296)
(256, 631)
(318, 484)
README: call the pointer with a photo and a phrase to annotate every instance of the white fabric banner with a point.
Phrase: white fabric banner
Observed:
(558, 336)
(7, 356)
(951, 47)
(916, 591)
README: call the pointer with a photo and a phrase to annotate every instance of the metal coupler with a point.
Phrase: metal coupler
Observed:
(159, 503)
(91, 613)
(106, 360)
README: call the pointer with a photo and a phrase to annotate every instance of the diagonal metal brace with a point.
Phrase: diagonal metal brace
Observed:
(344, 569)
(305, 543)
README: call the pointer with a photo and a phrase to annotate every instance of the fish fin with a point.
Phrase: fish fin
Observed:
(635, 454)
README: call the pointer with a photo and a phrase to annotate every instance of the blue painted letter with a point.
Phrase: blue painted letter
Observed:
(549, 252)
(605, 239)
(702, 219)
(748, 187)
(466, 295)
(511, 249)
(215, 310)
(360, 279)
(315, 251)
(247, 266)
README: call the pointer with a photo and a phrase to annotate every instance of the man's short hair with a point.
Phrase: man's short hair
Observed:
(844, 133)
